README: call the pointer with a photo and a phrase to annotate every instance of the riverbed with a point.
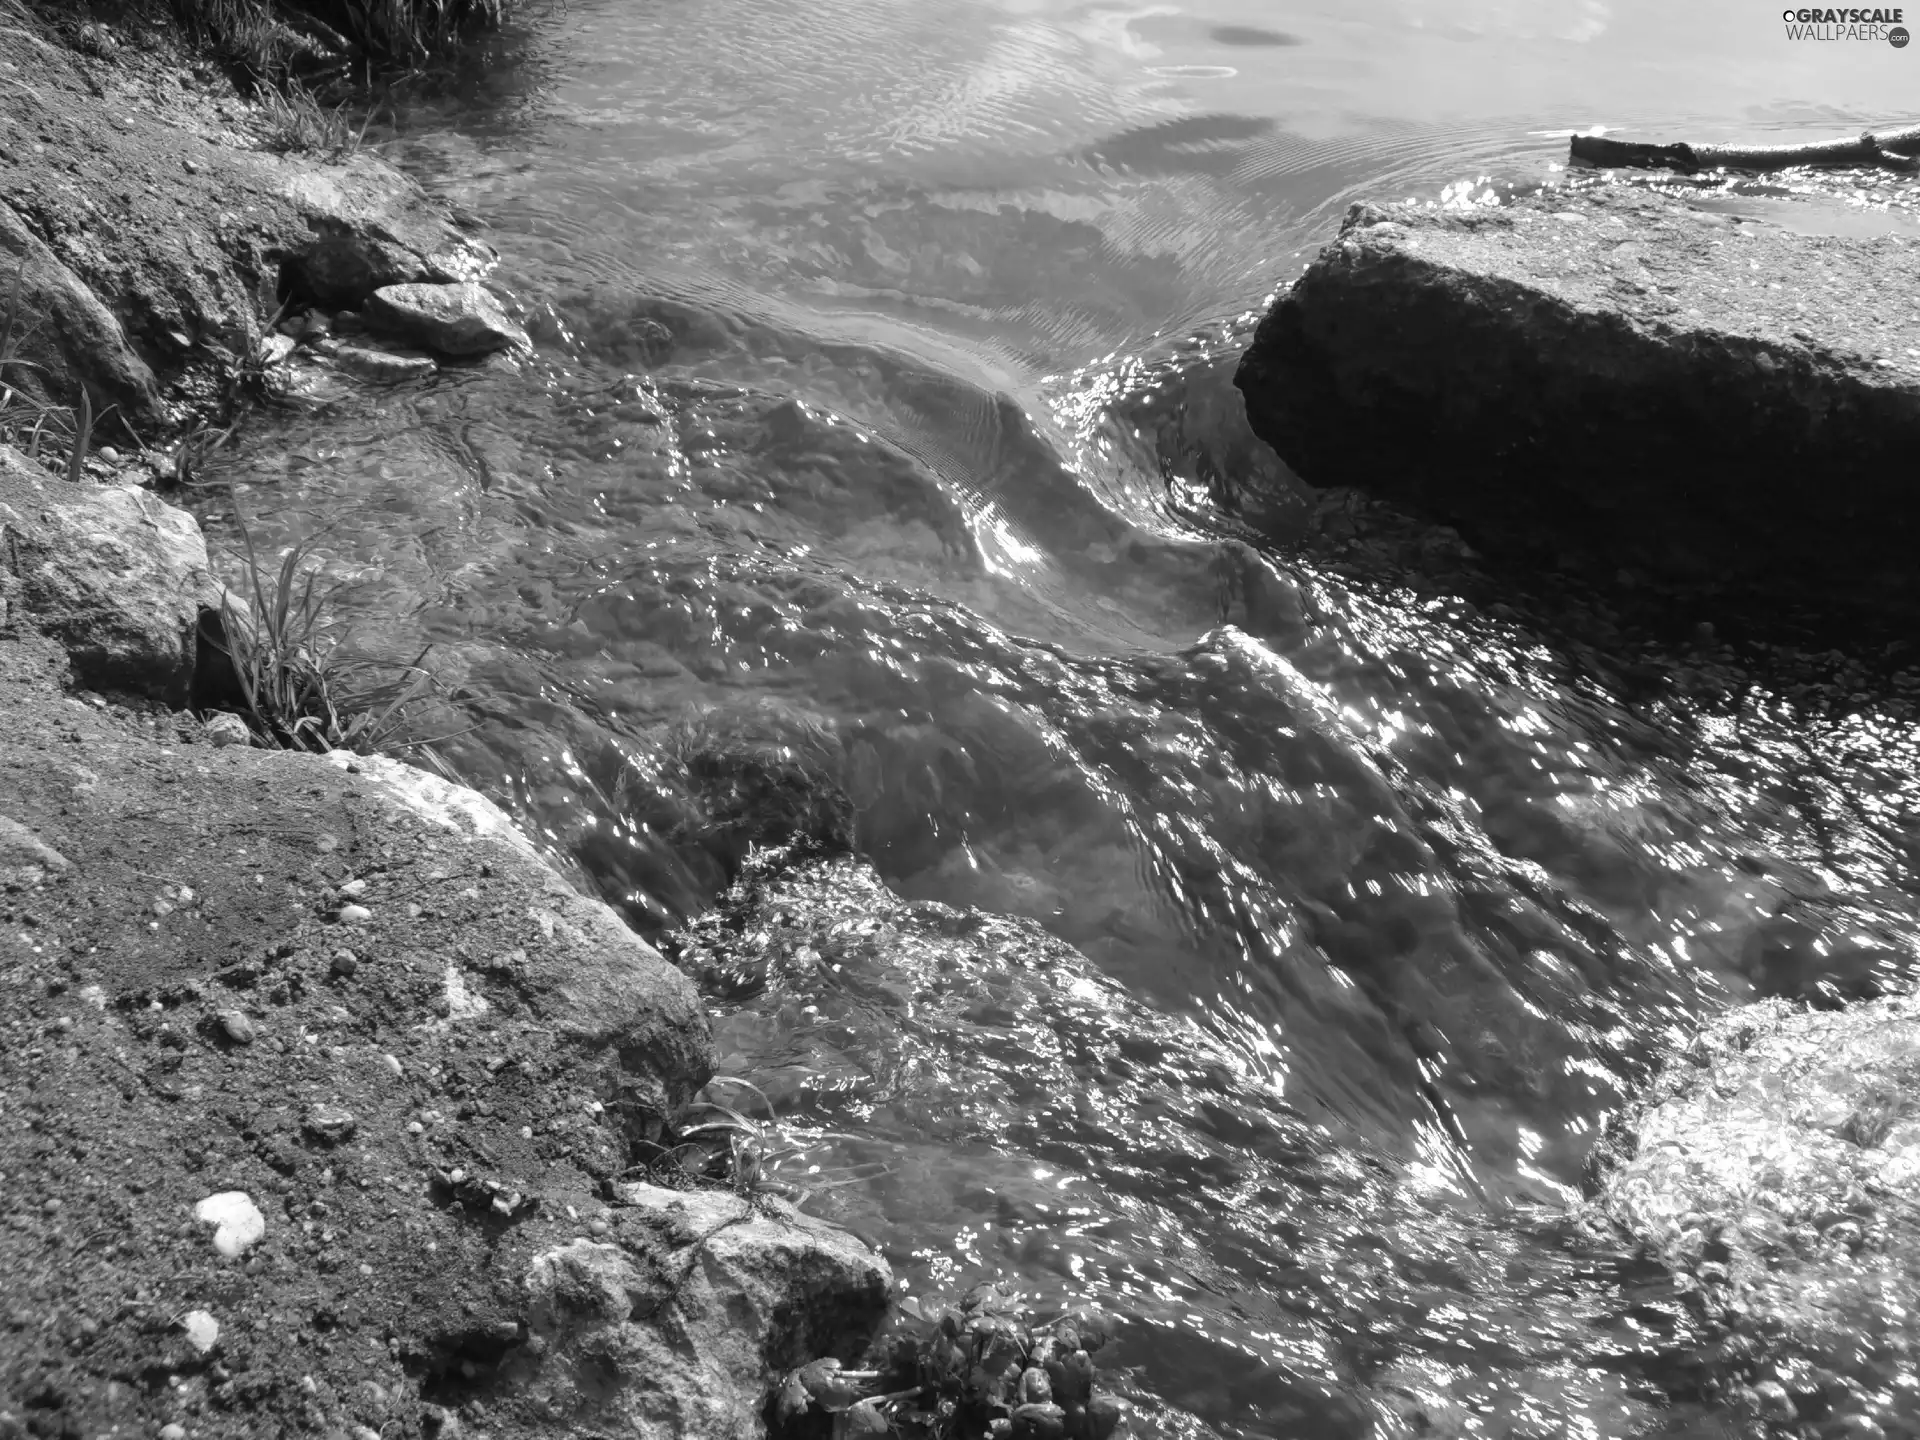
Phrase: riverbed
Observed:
(883, 361)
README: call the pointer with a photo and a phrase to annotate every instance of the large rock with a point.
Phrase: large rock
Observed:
(461, 319)
(63, 335)
(26, 859)
(1613, 379)
(1775, 1168)
(595, 982)
(159, 232)
(371, 228)
(359, 1018)
(683, 1327)
(116, 575)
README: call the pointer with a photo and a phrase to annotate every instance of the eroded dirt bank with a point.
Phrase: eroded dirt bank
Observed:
(321, 1094)
(311, 1068)
(152, 220)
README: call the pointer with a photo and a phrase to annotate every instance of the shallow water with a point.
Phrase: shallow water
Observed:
(885, 351)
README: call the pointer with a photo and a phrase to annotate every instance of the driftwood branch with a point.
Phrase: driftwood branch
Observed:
(1888, 149)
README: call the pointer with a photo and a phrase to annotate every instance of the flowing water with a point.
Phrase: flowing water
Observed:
(884, 356)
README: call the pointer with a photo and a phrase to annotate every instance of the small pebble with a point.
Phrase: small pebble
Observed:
(1775, 1403)
(355, 914)
(354, 889)
(237, 1221)
(597, 1226)
(226, 729)
(107, 453)
(331, 1124)
(345, 964)
(172, 1432)
(392, 1063)
(238, 1027)
(203, 1331)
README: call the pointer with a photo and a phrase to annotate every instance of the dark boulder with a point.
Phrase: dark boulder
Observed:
(1618, 382)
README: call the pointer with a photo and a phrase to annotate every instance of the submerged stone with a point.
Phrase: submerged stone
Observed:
(1619, 380)
(461, 319)
(380, 366)
(1775, 1169)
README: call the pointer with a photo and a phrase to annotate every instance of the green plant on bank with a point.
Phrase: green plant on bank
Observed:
(301, 689)
(737, 1152)
(27, 420)
(268, 38)
(298, 123)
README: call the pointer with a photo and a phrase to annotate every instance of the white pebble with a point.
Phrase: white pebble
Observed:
(237, 1221)
(354, 889)
(355, 914)
(392, 1064)
(203, 1331)
(173, 1432)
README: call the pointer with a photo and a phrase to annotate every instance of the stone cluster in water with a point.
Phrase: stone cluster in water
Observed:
(981, 1369)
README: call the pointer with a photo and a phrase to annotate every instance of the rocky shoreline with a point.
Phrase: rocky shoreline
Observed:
(321, 1091)
(323, 1098)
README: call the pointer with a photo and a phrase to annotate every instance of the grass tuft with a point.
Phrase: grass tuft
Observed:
(27, 418)
(728, 1149)
(302, 690)
(270, 38)
(298, 123)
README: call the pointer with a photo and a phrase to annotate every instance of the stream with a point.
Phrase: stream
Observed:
(884, 354)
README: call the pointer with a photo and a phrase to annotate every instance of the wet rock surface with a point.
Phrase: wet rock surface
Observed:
(206, 1113)
(158, 228)
(319, 1062)
(684, 1319)
(1620, 384)
(113, 572)
(462, 319)
(1775, 1169)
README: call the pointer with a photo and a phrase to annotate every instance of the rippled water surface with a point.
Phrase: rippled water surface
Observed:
(885, 350)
